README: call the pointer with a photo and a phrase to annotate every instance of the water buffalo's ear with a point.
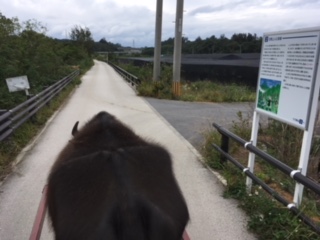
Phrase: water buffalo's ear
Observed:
(75, 128)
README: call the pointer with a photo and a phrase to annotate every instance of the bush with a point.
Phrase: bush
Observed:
(26, 50)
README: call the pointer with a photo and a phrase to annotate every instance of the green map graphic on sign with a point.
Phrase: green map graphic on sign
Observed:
(269, 92)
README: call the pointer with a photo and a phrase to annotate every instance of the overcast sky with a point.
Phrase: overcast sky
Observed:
(132, 22)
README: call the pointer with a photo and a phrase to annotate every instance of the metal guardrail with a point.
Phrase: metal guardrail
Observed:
(307, 182)
(11, 119)
(133, 80)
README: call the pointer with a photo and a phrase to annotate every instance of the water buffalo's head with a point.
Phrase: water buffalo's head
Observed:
(104, 129)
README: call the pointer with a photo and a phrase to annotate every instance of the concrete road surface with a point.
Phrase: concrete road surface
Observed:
(193, 119)
(212, 216)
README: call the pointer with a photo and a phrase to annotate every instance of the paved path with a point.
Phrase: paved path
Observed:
(212, 216)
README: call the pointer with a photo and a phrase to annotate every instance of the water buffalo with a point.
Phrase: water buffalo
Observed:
(109, 183)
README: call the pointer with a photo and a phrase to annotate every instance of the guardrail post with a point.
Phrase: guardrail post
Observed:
(224, 147)
(44, 88)
(33, 117)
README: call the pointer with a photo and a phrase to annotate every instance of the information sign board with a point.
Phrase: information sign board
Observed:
(18, 83)
(287, 75)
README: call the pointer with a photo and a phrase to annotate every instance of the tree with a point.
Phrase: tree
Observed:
(83, 37)
(35, 26)
(9, 48)
(80, 34)
(103, 40)
(8, 27)
(26, 50)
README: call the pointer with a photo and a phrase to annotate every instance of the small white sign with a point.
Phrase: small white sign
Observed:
(287, 76)
(18, 83)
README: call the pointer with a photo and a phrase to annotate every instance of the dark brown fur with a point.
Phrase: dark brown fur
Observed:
(108, 183)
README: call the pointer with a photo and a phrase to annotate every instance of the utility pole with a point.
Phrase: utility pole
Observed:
(177, 49)
(157, 42)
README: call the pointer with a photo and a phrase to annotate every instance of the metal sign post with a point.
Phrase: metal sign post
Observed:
(307, 138)
(253, 141)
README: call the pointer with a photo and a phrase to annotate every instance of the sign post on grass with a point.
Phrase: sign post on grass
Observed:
(288, 88)
(18, 84)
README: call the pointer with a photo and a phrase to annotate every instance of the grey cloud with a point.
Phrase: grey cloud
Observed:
(296, 3)
(205, 9)
(123, 24)
(231, 5)
(226, 6)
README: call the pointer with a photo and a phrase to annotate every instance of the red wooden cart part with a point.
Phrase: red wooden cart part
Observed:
(41, 214)
(185, 236)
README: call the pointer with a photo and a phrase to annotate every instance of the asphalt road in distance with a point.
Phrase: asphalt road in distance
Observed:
(193, 119)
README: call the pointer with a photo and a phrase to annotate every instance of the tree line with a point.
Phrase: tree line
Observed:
(26, 50)
(238, 43)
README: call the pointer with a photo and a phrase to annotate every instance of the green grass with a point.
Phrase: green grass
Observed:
(208, 91)
(199, 91)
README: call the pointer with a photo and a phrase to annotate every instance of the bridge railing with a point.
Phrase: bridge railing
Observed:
(11, 119)
(307, 182)
(130, 78)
